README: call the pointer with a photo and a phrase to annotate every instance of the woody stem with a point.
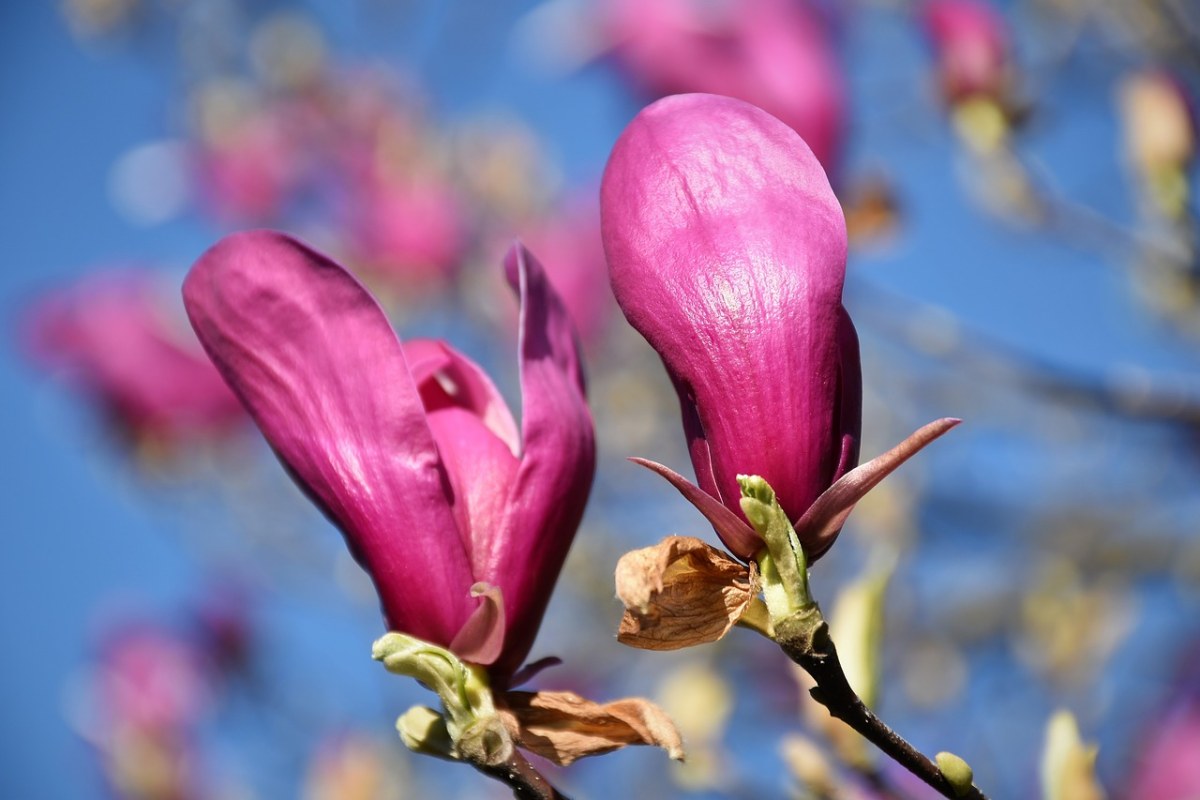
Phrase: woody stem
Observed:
(521, 776)
(804, 637)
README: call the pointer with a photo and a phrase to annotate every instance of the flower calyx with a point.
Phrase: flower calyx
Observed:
(482, 727)
(469, 727)
(782, 562)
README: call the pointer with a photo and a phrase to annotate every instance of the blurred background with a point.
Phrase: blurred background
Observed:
(178, 622)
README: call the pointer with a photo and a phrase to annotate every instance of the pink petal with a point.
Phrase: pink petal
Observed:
(460, 382)
(318, 366)
(557, 463)
(820, 524)
(481, 470)
(742, 540)
(849, 418)
(481, 638)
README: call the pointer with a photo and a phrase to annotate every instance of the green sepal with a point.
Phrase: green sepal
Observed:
(424, 731)
(473, 729)
(782, 565)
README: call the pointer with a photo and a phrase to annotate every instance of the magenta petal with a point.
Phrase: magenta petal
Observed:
(481, 470)
(820, 524)
(557, 462)
(481, 638)
(849, 419)
(460, 382)
(727, 250)
(316, 363)
(742, 540)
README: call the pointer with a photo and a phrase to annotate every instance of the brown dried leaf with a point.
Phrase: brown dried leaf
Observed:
(563, 727)
(681, 592)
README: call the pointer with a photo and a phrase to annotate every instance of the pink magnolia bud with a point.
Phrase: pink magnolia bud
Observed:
(727, 251)
(972, 45)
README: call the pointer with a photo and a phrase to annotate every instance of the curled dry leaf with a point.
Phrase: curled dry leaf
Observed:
(681, 592)
(563, 727)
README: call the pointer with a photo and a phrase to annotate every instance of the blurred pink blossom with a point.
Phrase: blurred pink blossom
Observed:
(152, 680)
(972, 45)
(1168, 766)
(120, 336)
(775, 54)
(406, 229)
(249, 173)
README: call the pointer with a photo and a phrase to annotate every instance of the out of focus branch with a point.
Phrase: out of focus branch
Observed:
(933, 330)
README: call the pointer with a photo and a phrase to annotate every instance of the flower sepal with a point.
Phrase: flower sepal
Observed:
(782, 564)
(469, 727)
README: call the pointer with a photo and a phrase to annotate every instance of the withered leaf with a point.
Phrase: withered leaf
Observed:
(681, 592)
(563, 727)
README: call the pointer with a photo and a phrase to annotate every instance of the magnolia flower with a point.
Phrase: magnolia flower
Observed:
(776, 54)
(461, 518)
(143, 699)
(971, 43)
(727, 251)
(115, 335)
(151, 679)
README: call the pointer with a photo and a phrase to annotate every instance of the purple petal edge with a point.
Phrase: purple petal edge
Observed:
(558, 459)
(742, 540)
(819, 525)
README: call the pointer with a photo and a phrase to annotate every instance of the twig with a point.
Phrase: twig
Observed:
(806, 641)
(521, 776)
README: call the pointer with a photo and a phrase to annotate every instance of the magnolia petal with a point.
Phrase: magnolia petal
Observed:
(532, 669)
(849, 419)
(480, 469)
(563, 727)
(481, 637)
(739, 537)
(681, 592)
(820, 524)
(525, 555)
(317, 364)
(460, 382)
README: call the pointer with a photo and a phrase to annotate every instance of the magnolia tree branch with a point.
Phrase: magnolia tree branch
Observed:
(806, 641)
(521, 776)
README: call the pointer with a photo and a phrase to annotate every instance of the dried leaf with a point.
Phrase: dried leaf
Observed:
(563, 727)
(681, 592)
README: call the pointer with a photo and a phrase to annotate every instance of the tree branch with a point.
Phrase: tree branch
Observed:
(521, 776)
(805, 639)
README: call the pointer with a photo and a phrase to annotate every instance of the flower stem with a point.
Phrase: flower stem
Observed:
(804, 637)
(521, 776)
